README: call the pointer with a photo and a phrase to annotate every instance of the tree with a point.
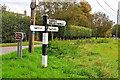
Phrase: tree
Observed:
(74, 13)
(101, 24)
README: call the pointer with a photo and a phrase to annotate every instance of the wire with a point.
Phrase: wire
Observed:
(104, 8)
(109, 6)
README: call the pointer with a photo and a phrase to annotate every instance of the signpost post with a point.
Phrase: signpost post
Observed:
(45, 28)
(19, 37)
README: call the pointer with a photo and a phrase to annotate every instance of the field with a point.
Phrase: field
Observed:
(88, 58)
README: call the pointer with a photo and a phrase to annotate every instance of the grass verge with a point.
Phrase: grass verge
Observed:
(65, 60)
(15, 44)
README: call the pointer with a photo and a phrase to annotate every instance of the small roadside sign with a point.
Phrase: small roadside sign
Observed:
(56, 22)
(37, 28)
(19, 35)
(53, 29)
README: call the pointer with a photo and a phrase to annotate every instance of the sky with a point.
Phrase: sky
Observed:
(110, 6)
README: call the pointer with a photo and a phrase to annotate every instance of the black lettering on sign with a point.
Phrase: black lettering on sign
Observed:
(52, 21)
(52, 28)
(59, 24)
(37, 27)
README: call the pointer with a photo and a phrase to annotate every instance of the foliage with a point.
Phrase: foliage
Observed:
(65, 60)
(77, 13)
(12, 23)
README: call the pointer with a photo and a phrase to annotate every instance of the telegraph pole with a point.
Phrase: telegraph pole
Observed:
(32, 22)
(118, 19)
(117, 24)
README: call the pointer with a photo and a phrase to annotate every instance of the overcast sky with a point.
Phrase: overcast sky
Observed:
(110, 6)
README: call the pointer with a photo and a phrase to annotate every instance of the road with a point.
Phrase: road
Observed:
(5, 50)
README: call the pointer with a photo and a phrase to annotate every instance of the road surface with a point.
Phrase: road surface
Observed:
(5, 50)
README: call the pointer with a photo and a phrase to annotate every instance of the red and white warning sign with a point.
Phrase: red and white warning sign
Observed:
(19, 35)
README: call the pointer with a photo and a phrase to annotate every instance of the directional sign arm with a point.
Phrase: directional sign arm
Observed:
(37, 28)
(56, 22)
(53, 29)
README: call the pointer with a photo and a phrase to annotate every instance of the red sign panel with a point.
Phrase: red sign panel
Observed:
(19, 35)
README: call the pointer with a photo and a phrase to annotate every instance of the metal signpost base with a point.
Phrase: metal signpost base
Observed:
(19, 48)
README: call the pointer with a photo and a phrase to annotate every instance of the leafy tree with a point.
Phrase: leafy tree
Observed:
(101, 24)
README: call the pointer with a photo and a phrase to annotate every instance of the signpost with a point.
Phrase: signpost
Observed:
(45, 28)
(19, 37)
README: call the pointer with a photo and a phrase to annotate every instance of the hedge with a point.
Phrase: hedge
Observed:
(74, 32)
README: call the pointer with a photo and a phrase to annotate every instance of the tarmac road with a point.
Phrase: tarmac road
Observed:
(5, 50)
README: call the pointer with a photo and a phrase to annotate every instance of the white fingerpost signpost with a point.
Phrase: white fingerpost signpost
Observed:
(19, 37)
(45, 28)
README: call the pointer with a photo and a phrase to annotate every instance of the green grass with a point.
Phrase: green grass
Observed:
(65, 60)
(15, 44)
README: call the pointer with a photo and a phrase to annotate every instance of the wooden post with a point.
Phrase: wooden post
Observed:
(52, 34)
(31, 36)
